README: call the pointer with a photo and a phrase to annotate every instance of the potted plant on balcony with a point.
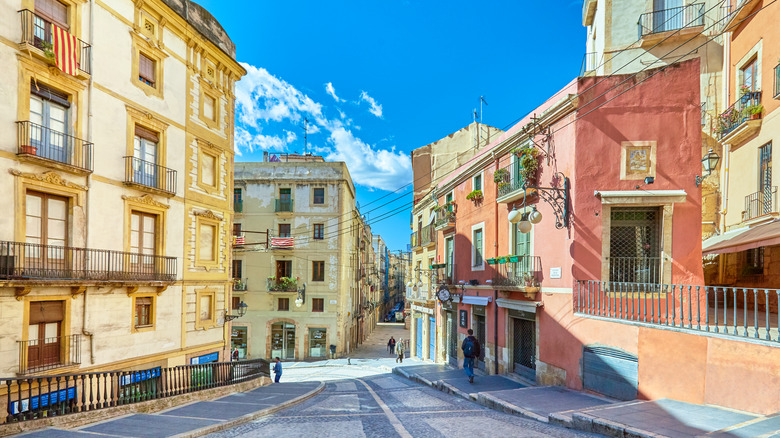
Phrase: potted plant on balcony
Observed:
(48, 51)
(502, 259)
(503, 186)
(500, 176)
(530, 285)
(755, 111)
(29, 149)
(288, 283)
(491, 261)
(529, 166)
(475, 196)
(513, 258)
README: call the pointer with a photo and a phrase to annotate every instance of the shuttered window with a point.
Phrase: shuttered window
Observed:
(42, 312)
(53, 11)
(146, 70)
(283, 304)
(143, 311)
(318, 305)
(318, 271)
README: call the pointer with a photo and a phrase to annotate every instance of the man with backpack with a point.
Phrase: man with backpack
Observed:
(471, 351)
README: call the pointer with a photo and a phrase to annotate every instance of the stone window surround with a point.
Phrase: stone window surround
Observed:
(152, 314)
(481, 267)
(204, 324)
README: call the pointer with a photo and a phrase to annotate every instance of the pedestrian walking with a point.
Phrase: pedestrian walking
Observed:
(234, 356)
(399, 350)
(471, 351)
(391, 345)
(278, 370)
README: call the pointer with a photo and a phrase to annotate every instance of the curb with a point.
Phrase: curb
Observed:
(249, 417)
(497, 404)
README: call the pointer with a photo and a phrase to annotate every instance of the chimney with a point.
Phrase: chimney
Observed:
(265, 156)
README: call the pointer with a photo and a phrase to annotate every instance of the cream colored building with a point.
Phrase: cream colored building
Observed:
(114, 241)
(300, 281)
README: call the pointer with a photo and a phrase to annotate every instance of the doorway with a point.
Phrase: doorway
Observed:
(452, 339)
(480, 332)
(524, 347)
(283, 340)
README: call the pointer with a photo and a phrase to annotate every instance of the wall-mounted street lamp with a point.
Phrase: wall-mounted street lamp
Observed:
(557, 197)
(241, 312)
(709, 162)
(301, 296)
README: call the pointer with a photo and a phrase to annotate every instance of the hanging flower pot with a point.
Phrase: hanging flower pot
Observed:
(491, 261)
(514, 258)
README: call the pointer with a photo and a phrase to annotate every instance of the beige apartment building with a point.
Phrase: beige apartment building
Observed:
(117, 158)
(299, 268)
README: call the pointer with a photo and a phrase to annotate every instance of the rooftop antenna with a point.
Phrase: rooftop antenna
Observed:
(481, 101)
(305, 132)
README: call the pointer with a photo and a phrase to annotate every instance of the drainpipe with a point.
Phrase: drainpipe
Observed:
(84, 330)
(495, 292)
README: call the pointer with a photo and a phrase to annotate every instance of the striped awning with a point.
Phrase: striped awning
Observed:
(743, 239)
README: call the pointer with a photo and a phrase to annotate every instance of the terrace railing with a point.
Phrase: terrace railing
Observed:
(737, 311)
(40, 141)
(525, 272)
(665, 20)
(283, 205)
(29, 398)
(49, 353)
(151, 175)
(37, 32)
(738, 113)
(760, 203)
(239, 284)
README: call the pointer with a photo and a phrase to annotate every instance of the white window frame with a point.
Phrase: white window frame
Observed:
(480, 267)
(482, 178)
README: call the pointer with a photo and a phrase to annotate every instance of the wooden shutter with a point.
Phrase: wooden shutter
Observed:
(146, 68)
(53, 11)
(46, 311)
(147, 134)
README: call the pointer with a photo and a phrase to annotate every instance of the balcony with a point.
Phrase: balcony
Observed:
(760, 203)
(657, 25)
(518, 271)
(283, 205)
(23, 262)
(282, 284)
(635, 269)
(740, 12)
(48, 353)
(428, 235)
(37, 40)
(39, 143)
(443, 273)
(588, 63)
(415, 240)
(777, 82)
(238, 206)
(510, 184)
(445, 218)
(239, 284)
(281, 242)
(149, 175)
(741, 120)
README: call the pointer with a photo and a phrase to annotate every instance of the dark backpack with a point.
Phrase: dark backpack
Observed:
(470, 348)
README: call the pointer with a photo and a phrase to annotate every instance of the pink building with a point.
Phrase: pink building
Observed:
(596, 294)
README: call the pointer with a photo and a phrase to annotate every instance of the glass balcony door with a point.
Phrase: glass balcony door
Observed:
(49, 128)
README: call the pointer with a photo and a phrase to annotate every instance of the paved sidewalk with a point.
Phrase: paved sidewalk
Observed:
(591, 413)
(197, 418)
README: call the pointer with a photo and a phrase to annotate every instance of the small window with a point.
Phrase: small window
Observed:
(478, 182)
(235, 303)
(284, 230)
(318, 305)
(318, 271)
(237, 268)
(207, 240)
(148, 29)
(236, 229)
(206, 302)
(209, 103)
(478, 247)
(146, 67)
(319, 195)
(319, 231)
(283, 304)
(285, 194)
(143, 312)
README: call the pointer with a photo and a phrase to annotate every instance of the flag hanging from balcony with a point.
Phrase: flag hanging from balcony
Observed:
(238, 240)
(281, 242)
(65, 46)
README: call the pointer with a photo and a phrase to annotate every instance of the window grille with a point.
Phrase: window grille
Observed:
(635, 245)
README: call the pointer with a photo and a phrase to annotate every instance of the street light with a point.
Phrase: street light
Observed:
(241, 312)
(709, 162)
(556, 196)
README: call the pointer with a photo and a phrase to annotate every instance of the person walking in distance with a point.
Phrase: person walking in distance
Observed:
(278, 370)
(399, 350)
(470, 349)
(391, 345)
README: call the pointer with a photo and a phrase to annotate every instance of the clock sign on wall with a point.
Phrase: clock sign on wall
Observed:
(444, 294)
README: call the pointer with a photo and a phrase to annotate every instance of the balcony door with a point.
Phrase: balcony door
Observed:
(449, 258)
(43, 334)
(48, 12)
(522, 249)
(145, 157)
(668, 15)
(48, 129)
(46, 233)
(765, 177)
(143, 238)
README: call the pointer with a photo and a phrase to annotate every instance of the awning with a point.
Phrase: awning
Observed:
(476, 301)
(743, 239)
(526, 306)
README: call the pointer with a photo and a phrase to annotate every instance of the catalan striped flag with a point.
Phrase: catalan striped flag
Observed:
(281, 242)
(65, 48)
(239, 240)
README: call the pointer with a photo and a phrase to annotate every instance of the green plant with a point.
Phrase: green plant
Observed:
(503, 186)
(529, 280)
(476, 195)
(755, 109)
(272, 277)
(529, 165)
(500, 176)
(48, 49)
(287, 283)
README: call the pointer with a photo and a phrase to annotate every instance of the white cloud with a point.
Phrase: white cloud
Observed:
(378, 168)
(376, 109)
(332, 91)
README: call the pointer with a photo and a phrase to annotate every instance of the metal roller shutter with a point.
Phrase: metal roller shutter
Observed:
(610, 371)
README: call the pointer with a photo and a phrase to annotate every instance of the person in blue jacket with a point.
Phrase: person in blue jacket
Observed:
(277, 370)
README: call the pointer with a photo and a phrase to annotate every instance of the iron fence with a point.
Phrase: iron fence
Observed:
(37, 31)
(739, 112)
(148, 174)
(444, 217)
(20, 260)
(525, 271)
(40, 141)
(635, 269)
(737, 311)
(49, 353)
(666, 20)
(428, 234)
(30, 398)
(283, 205)
(239, 284)
(760, 203)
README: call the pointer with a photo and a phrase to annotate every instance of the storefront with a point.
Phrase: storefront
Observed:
(238, 337)
(318, 342)
(283, 340)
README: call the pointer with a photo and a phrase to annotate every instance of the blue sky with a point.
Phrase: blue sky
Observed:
(377, 79)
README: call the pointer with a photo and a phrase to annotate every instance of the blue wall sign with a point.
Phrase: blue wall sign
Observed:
(206, 358)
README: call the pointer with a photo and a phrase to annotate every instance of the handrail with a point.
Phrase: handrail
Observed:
(148, 174)
(666, 20)
(739, 112)
(760, 203)
(44, 142)
(36, 31)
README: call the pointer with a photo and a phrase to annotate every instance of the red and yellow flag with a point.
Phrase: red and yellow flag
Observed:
(65, 48)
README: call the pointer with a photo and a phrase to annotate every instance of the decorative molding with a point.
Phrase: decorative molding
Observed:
(131, 290)
(21, 291)
(50, 177)
(208, 214)
(77, 290)
(209, 146)
(145, 199)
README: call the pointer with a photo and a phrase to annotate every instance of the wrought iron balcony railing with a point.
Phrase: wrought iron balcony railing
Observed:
(49, 353)
(238, 206)
(635, 269)
(739, 112)
(444, 218)
(509, 179)
(283, 284)
(37, 31)
(665, 20)
(525, 271)
(777, 81)
(415, 239)
(284, 205)
(760, 203)
(151, 175)
(239, 284)
(40, 141)
(31, 261)
(428, 235)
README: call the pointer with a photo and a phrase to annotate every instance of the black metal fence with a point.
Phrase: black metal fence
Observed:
(524, 271)
(37, 31)
(49, 353)
(40, 141)
(148, 174)
(284, 205)
(760, 203)
(665, 20)
(20, 260)
(31, 398)
(739, 112)
(738, 311)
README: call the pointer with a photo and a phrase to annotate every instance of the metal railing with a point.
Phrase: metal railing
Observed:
(760, 203)
(444, 217)
(40, 141)
(738, 113)
(511, 179)
(239, 284)
(777, 81)
(428, 234)
(49, 353)
(444, 275)
(737, 311)
(283, 205)
(671, 19)
(635, 269)
(415, 239)
(588, 63)
(524, 272)
(238, 206)
(36, 31)
(27, 261)
(148, 174)
(49, 396)
(277, 285)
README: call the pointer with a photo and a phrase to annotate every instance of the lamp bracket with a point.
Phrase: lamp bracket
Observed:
(557, 197)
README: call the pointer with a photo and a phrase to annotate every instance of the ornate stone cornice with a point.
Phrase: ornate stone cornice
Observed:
(145, 199)
(50, 177)
(208, 214)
